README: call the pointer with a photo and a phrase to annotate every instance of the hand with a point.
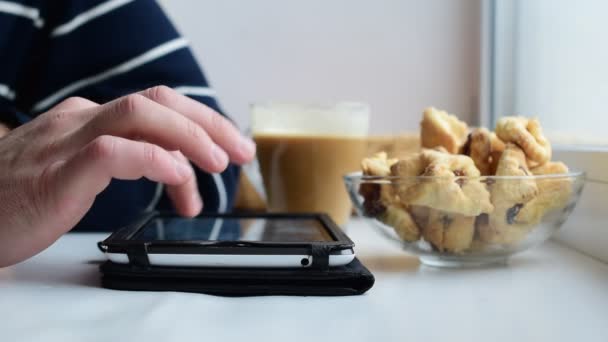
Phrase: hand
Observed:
(52, 168)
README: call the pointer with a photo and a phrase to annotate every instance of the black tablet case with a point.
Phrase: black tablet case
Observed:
(352, 279)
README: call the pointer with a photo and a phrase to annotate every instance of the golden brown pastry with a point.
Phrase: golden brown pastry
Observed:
(441, 193)
(449, 232)
(484, 147)
(550, 168)
(381, 202)
(406, 170)
(377, 195)
(420, 214)
(438, 128)
(401, 220)
(378, 165)
(447, 188)
(410, 166)
(527, 134)
(513, 163)
(509, 196)
(499, 233)
(553, 193)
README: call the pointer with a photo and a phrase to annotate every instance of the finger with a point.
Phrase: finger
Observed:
(72, 104)
(137, 117)
(240, 148)
(69, 114)
(185, 197)
(82, 177)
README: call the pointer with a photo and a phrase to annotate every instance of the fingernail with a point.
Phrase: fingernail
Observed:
(219, 156)
(248, 146)
(182, 169)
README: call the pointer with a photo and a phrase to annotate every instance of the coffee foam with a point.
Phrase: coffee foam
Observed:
(340, 119)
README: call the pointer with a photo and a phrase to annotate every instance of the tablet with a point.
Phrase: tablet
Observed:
(231, 240)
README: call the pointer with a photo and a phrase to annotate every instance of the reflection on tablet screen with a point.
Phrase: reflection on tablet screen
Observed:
(234, 229)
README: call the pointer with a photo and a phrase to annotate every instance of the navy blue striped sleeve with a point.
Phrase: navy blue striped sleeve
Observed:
(101, 50)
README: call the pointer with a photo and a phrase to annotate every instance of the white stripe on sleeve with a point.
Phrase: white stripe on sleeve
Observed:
(216, 229)
(221, 207)
(87, 16)
(195, 91)
(151, 55)
(7, 92)
(23, 11)
(155, 198)
(221, 193)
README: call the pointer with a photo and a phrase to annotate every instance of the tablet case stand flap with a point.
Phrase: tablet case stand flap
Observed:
(352, 279)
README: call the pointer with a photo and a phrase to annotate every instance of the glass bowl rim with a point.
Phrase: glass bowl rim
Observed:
(359, 177)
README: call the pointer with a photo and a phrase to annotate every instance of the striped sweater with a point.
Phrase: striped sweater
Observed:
(101, 50)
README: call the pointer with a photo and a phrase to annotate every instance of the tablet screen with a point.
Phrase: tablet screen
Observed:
(234, 229)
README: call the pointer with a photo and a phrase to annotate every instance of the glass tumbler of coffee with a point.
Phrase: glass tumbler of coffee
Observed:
(305, 149)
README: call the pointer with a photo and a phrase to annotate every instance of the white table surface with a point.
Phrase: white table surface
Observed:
(551, 293)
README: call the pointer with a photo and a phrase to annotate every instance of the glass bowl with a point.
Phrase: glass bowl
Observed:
(465, 221)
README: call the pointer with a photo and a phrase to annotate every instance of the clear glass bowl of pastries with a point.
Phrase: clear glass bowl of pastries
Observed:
(470, 196)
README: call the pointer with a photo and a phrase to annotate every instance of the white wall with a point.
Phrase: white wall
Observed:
(398, 55)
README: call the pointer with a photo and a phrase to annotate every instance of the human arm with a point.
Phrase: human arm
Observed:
(129, 48)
